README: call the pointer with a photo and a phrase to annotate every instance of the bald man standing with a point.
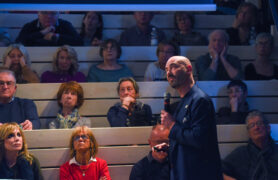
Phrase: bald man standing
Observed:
(193, 152)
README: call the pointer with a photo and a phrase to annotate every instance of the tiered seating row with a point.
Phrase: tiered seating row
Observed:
(114, 24)
(99, 97)
(136, 58)
(117, 146)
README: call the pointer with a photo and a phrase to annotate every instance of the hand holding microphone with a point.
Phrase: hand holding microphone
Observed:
(167, 97)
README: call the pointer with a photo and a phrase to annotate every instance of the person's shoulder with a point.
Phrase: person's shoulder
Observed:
(100, 161)
(31, 23)
(130, 30)
(47, 73)
(141, 163)
(23, 100)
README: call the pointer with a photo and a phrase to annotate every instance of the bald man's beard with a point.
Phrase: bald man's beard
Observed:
(180, 80)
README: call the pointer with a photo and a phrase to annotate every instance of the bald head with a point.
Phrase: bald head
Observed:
(179, 72)
(158, 135)
(179, 59)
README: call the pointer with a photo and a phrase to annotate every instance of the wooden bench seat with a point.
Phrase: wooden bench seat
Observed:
(99, 97)
(117, 146)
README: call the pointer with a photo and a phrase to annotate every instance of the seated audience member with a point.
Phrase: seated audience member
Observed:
(15, 160)
(246, 17)
(109, 70)
(140, 34)
(262, 68)
(259, 158)
(156, 70)
(217, 64)
(83, 163)
(238, 108)
(14, 109)
(184, 36)
(155, 165)
(49, 30)
(65, 67)
(70, 97)
(91, 30)
(16, 59)
(129, 112)
(5, 39)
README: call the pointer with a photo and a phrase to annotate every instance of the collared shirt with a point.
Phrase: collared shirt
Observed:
(73, 161)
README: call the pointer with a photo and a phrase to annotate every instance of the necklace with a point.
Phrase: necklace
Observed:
(84, 168)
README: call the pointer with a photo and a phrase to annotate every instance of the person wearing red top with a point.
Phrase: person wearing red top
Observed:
(83, 163)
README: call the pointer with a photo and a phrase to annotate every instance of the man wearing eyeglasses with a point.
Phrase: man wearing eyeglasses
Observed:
(238, 108)
(155, 165)
(259, 158)
(14, 109)
(49, 30)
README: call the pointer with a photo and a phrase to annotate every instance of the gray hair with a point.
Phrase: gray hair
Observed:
(21, 48)
(222, 32)
(7, 71)
(256, 113)
(267, 36)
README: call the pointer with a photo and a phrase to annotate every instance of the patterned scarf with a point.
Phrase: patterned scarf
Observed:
(69, 121)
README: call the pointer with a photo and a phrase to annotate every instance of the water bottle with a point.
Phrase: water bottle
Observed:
(154, 40)
(252, 36)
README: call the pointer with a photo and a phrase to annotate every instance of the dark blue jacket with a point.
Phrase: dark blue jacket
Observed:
(194, 153)
(18, 110)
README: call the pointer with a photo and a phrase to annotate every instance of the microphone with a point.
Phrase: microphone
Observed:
(167, 97)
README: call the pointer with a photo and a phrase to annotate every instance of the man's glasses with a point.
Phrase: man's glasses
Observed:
(252, 125)
(8, 83)
(84, 137)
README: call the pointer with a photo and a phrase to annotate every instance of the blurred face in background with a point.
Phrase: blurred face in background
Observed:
(64, 61)
(143, 18)
(257, 130)
(164, 53)
(238, 93)
(91, 21)
(217, 41)
(15, 55)
(264, 47)
(127, 89)
(7, 87)
(48, 18)
(110, 52)
(184, 23)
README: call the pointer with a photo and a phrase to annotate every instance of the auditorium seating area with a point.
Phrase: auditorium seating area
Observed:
(120, 147)
(123, 147)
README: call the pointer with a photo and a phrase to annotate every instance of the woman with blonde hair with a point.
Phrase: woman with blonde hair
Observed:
(15, 160)
(83, 163)
(65, 67)
(70, 98)
(16, 59)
